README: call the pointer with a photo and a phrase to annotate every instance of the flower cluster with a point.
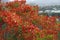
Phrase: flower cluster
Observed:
(20, 21)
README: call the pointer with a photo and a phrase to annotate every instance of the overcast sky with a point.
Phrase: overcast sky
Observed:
(44, 2)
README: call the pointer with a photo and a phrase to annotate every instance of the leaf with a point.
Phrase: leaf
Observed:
(4, 8)
(14, 37)
(16, 4)
(4, 26)
(50, 37)
(58, 35)
(20, 29)
(38, 38)
(43, 39)
(21, 38)
(7, 35)
(34, 22)
(38, 34)
(0, 19)
(58, 22)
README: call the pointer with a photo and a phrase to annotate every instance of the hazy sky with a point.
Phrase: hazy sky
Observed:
(42, 2)
(45, 2)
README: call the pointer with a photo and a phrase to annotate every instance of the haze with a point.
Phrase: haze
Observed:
(41, 2)
(44, 2)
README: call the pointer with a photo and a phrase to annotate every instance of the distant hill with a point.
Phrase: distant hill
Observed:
(52, 7)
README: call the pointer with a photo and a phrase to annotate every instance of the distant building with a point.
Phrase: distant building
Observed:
(50, 11)
(40, 11)
(55, 11)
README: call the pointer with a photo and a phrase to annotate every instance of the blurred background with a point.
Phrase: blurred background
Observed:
(50, 7)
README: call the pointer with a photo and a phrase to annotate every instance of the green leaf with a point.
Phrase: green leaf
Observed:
(20, 33)
(43, 39)
(16, 5)
(58, 35)
(50, 37)
(12, 30)
(34, 8)
(3, 8)
(0, 19)
(7, 35)
(21, 38)
(34, 22)
(20, 29)
(58, 22)
(38, 34)
(14, 37)
(4, 26)
(38, 38)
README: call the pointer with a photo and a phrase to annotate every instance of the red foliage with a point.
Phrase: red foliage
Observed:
(24, 23)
